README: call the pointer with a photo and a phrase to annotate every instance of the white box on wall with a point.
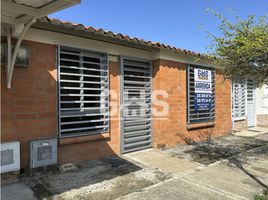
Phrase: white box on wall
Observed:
(10, 156)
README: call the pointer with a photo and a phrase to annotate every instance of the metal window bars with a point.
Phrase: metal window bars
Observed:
(238, 98)
(200, 116)
(136, 99)
(83, 92)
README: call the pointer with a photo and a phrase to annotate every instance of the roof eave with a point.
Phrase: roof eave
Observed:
(92, 35)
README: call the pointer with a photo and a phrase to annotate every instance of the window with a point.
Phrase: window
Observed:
(200, 92)
(83, 92)
(238, 99)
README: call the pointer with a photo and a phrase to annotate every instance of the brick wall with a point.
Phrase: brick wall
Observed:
(262, 120)
(29, 108)
(171, 130)
(87, 150)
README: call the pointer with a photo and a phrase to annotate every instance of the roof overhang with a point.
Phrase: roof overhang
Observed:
(21, 11)
(90, 35)
(17, 16)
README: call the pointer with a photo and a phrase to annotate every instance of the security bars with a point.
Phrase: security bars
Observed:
(83, 92)
(201, 115)
(136, 100)
(238, 99)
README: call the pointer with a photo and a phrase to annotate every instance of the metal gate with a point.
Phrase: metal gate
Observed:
(251, 113)
(135, 104)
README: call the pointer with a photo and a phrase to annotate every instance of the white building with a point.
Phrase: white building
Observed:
(249, 105)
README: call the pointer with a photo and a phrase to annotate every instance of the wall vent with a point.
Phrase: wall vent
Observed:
(43, 153)
(10, 156)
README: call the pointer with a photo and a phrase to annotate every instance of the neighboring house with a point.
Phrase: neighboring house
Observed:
(249, 105)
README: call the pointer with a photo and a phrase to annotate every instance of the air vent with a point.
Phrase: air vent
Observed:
(10, 157)
(43, 153)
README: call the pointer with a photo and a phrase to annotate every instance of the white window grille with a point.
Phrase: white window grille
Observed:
(238, 99)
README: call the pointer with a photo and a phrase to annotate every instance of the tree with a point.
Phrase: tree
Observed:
(242, 49)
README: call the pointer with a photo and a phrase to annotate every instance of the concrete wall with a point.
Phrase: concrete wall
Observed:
(240, 125)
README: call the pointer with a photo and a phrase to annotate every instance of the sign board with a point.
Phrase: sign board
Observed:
(202, 101)
(203, 89)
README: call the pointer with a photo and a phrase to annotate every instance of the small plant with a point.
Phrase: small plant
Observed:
(205, 136)
(186, 139)
(264, 196)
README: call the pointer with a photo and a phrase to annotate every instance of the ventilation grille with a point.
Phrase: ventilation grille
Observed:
(43, 153)
(10, 157)
(7, 157)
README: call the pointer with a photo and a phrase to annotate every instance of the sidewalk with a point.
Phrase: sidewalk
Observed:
(231, 167)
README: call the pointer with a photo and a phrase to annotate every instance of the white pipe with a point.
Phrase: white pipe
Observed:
(8, 30)
(14, 56)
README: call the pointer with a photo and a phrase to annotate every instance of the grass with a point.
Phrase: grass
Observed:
(264, 196)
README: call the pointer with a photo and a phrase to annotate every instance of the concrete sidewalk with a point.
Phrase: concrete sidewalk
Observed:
(231, 167)
(241, 175)
(17, 191)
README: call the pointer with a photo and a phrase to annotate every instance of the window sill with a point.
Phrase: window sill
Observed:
(201, 125)
(240, 118)
(81, 139)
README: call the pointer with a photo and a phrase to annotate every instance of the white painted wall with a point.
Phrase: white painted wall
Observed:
(50, 37)
(262, 100)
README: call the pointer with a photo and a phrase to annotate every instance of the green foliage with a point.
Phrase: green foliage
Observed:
(264, 196)
(242, 49)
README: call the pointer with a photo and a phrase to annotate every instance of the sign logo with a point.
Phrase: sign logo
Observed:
(202, 74)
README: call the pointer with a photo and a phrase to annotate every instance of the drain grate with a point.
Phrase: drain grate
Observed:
(67, 167)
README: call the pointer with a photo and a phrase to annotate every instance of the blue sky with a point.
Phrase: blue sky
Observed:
(174, 22)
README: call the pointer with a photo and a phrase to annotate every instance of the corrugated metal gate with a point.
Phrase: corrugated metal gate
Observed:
(251, 115)
(135, 104)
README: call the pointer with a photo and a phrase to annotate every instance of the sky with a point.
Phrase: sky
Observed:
(180, 23)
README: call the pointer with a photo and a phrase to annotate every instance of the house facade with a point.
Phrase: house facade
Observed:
(100, 94)
(249, 105)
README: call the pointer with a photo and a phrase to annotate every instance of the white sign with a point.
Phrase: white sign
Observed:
(202, 81)
(202, 75)
(202, 87)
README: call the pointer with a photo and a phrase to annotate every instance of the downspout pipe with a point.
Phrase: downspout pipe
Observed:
(14, 55)
(9, 32)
